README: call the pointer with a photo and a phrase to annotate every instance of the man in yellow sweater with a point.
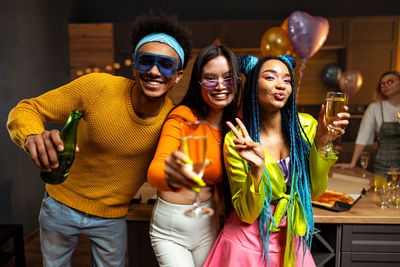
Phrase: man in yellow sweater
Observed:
(117, 138)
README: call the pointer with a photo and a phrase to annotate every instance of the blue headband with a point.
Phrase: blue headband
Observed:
(165, 39)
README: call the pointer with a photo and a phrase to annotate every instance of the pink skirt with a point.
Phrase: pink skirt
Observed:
(239, 244)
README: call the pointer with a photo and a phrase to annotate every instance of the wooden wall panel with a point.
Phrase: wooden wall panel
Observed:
(371, 60)
(372, 49)
(337, 36)
(90, 45)
(204, 32)
(369, 44)
(246, 34)
(372, 29)
(312, 90)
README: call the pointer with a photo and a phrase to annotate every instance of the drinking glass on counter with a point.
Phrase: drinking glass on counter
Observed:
(392, 177)
(397, 196)
(379, 182)
(364, 159)
(194, 145)
(334, 104)
(384, 195)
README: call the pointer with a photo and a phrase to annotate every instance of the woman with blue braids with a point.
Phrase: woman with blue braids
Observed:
(274, 170)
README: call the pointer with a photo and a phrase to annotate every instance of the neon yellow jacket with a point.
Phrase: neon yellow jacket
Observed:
(248, 200)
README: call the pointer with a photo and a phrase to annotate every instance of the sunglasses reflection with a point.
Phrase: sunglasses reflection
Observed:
(212, 84)
(166, 65)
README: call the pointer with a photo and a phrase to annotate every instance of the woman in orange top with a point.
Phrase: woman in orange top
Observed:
(213, 96)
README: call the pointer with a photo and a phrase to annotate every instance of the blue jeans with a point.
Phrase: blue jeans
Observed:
(61, 227)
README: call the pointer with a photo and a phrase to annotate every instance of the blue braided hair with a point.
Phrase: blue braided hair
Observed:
(246, 63)
(299, 150)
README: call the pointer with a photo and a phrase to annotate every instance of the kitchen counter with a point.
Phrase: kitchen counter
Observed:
(366, 211)
(362, 235)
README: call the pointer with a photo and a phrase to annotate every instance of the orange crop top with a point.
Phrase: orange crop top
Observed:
(170, 141)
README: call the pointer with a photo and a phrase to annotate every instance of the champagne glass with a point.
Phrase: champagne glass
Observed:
(334, 104)
(364, 162)
(194, 145)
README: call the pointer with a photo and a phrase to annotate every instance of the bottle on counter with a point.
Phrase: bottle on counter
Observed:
(66, 157)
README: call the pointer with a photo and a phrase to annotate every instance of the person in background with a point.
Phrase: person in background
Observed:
(274, 168)
(381, 120)
(114, 155)
(213, 96)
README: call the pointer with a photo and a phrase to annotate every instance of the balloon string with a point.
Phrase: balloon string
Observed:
(302, 67)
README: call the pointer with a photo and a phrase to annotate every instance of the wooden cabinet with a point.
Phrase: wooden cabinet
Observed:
(370, 245)
(90, 45)
(372, 29)
(365, 235)
(372, 49)
(337, 37)
(349, 245)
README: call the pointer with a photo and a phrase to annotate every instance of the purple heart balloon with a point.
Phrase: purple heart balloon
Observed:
(307, 33)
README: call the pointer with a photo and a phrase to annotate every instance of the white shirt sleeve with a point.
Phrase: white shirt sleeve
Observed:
(370, 124)
(372, 121)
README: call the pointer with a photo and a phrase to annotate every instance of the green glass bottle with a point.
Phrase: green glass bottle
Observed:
(66, 157)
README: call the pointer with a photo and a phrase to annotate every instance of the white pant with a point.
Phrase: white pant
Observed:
(178, 240)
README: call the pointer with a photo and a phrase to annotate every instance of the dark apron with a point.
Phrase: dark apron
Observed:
(388, 153)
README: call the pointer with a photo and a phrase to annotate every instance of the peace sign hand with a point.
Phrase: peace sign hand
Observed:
(251, 151)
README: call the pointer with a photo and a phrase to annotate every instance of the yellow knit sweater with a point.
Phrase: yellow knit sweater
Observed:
(116, 146)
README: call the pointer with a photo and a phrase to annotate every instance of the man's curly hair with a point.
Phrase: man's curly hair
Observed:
(156, 21)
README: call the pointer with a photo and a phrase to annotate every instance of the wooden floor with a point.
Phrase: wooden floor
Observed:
(33, 255)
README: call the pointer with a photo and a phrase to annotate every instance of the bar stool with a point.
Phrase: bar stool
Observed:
(14, 232)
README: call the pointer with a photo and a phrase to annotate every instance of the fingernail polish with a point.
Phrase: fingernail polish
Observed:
(187, 161)
(199, 181)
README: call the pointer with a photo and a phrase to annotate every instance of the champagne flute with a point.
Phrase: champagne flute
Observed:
(194, 145)
(334, 104)
(364, 162)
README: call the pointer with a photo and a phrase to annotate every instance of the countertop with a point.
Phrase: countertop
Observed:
(365, 211)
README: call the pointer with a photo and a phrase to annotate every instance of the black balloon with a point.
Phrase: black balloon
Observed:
(331, 74)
